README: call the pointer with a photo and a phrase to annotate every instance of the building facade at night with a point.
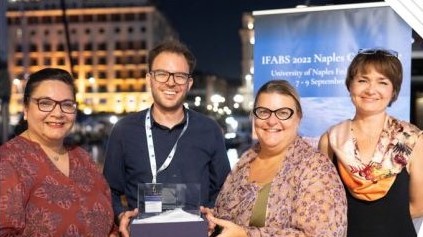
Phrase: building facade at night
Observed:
(103, 43)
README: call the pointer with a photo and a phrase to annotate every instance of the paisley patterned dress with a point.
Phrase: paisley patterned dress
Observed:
(37, 199)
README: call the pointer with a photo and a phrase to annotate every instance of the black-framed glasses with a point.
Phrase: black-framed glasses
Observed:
(163, 76)
(263, 113)
(386, 52)
(48, 105)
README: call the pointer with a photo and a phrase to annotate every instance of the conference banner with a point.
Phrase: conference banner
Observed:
(312, 48)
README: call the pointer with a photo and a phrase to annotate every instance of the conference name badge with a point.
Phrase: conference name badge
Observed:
(153, 198)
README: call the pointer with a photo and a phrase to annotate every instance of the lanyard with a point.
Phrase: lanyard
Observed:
(150, 146)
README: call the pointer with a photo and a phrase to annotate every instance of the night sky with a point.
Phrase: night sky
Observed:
(210, 28)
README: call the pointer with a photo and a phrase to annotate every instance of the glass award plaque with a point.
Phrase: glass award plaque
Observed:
(163, 199)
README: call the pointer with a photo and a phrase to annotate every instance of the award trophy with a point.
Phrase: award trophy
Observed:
(168, 210)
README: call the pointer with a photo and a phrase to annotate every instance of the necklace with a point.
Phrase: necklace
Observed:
(52, 154)
(55, 157)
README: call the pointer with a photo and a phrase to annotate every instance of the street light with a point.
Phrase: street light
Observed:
(216, 99)
(18, 83)
(238, 98)
(113, 119)
(197, 101)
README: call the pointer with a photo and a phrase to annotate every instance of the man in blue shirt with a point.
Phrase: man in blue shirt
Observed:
(166, 143)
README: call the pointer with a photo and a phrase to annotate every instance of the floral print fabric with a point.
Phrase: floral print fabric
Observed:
(306, 197)
(37, 199)
(371, 181)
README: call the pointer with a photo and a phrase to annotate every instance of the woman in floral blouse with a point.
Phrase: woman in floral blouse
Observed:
(379, 158)
(281, 186)
(46, 187)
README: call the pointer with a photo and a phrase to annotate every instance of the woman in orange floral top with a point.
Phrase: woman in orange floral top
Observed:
(281, 186)
(47, 188)
(379, 158)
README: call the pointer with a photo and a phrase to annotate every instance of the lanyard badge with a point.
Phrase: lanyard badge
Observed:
(150, 146)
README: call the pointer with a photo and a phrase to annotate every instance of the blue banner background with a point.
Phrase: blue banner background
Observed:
(312, 50)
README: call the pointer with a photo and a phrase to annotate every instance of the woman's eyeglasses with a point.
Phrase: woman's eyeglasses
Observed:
(263, 113)
(48, 105)
(386, 52)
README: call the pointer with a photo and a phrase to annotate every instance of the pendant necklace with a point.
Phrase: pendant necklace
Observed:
(55, 156)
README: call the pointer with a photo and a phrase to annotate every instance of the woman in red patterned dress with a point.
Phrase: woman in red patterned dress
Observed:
(47, 188)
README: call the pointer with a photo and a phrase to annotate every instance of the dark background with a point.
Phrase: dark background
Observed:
(211, 28)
